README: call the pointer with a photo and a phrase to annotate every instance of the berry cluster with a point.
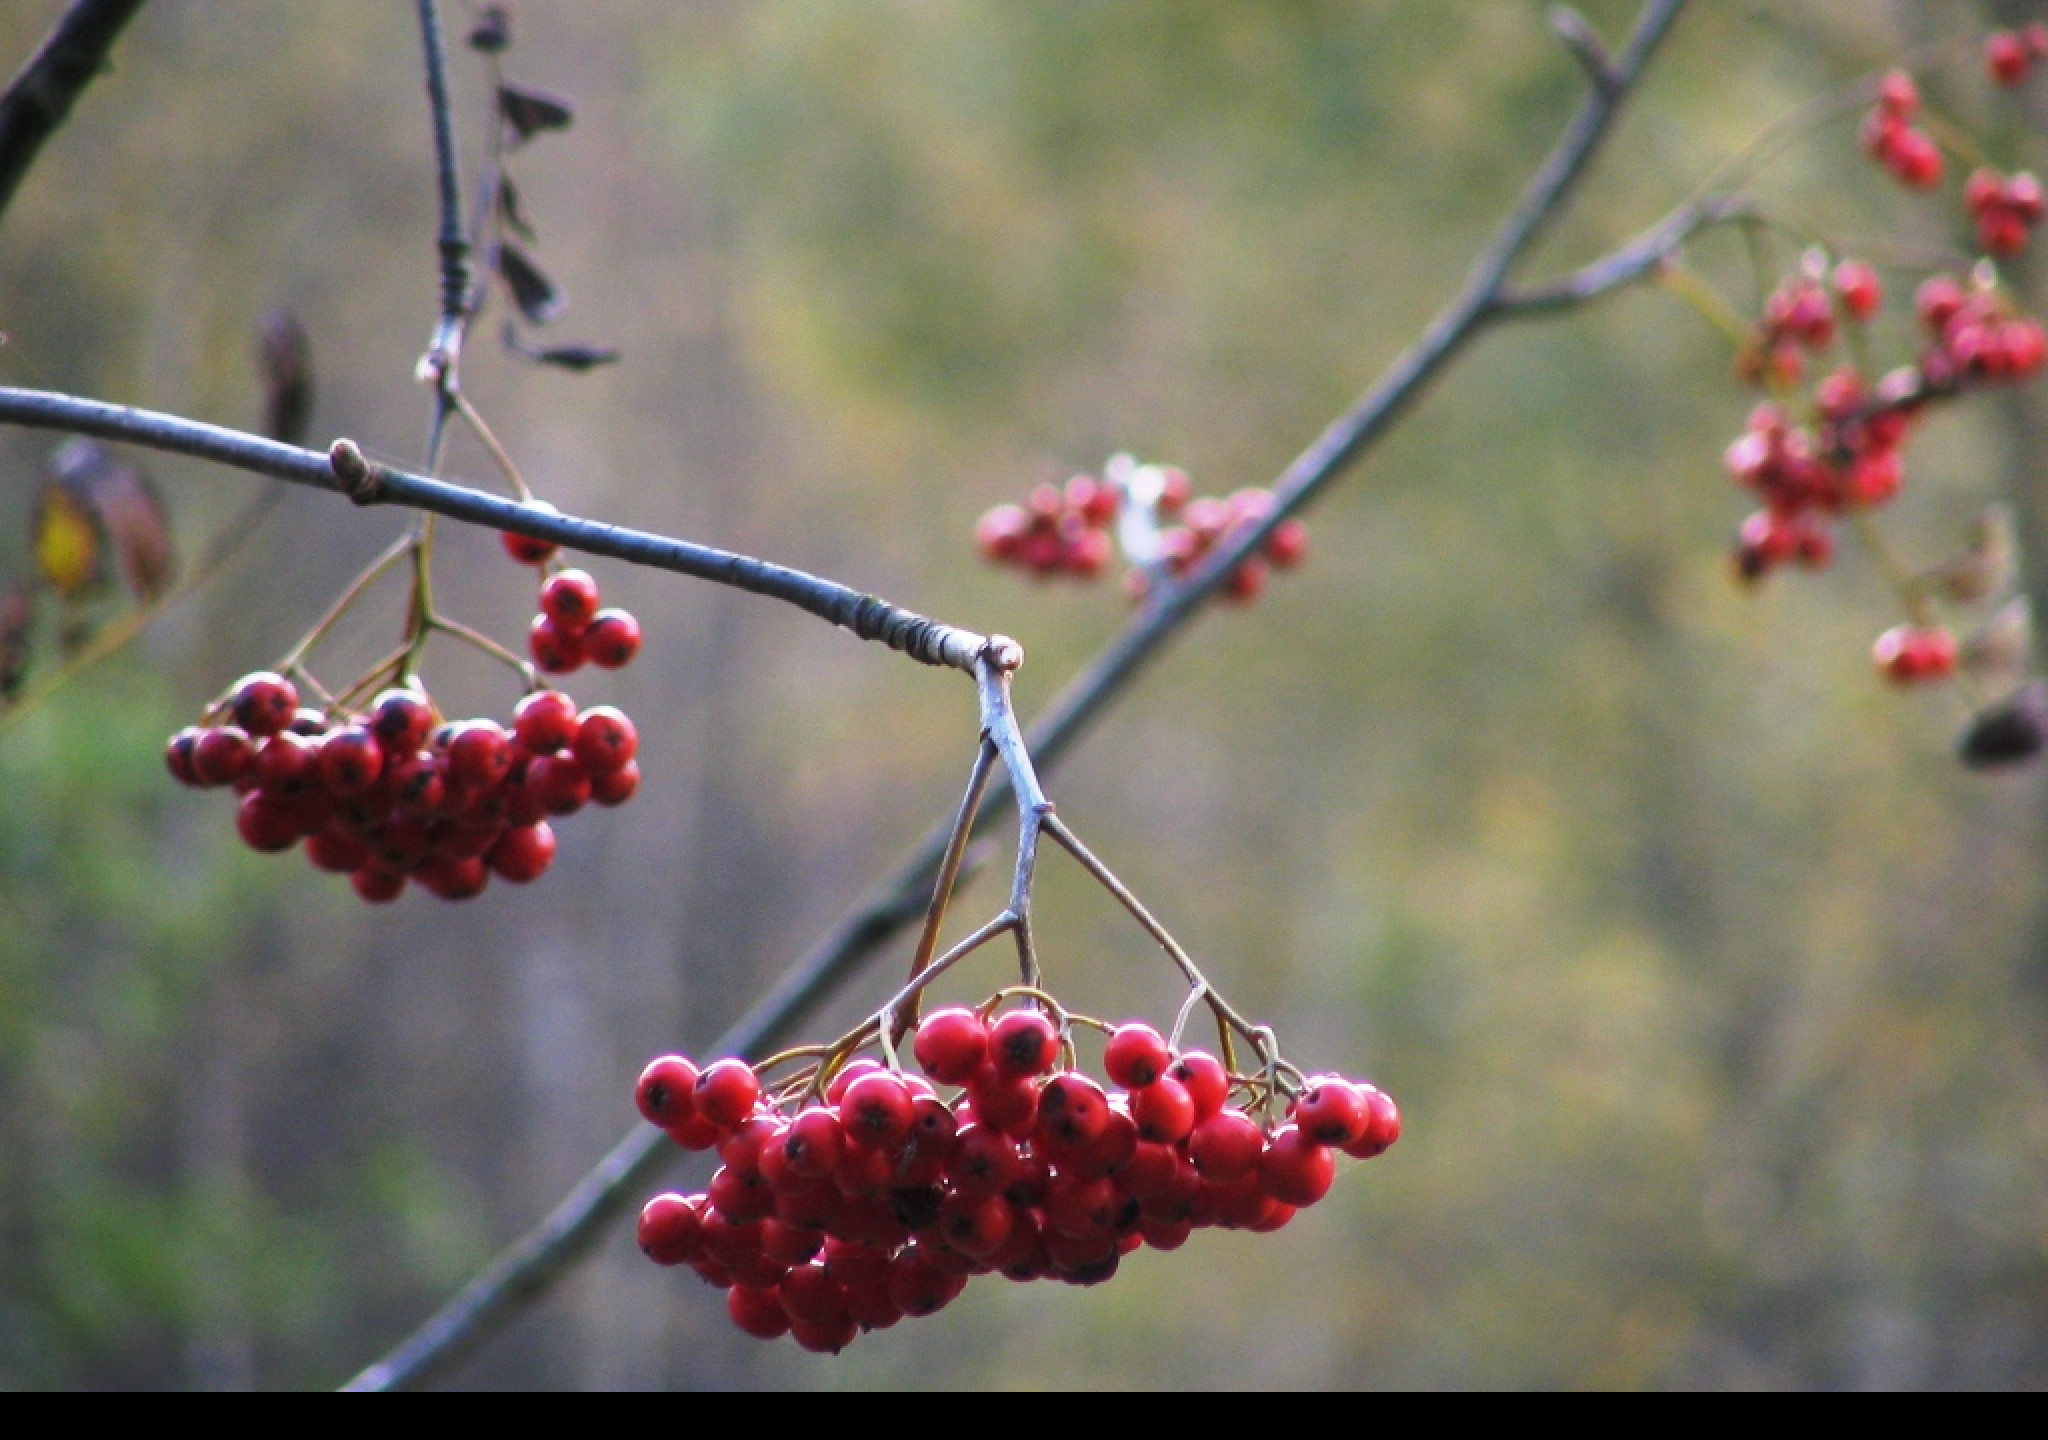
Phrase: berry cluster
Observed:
(2005, 207)
(1892, 139)
(572, 628)
(1166, 529)
(2010, 56)
(1059, 531)
(393, 794)
(848, 1207)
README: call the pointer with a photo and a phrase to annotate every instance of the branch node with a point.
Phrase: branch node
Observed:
(360, 480)
(1003, 653)
(1578, 36)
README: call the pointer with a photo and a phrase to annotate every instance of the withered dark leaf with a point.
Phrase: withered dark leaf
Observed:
(577, 358)
(529, 112)
(2010, 733)
(492, 33)
(538, 298)
(509, 209)
(574, 358)
(284, 360)
(17, 622)
(134, 516)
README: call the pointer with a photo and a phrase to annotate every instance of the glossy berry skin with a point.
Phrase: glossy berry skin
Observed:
(544, 722)
(1382, 1129)
(612, 640)
(570, 599)
(1295, 1169)
(1332, 1111)
(221, 755)
(726, 1093)
(523, 854)
(1136, 1055)
(617, 787)
(1163, 1111)
(671, 1230)
(665, 1092)
(351, 760)
(401, 720)
(877, 1110)
(1226, 1146)
(605, 740)
(1906, 655)
(1022, 1042)
(555, 651)
(951, 1044)
(265, 703)
(1207, 1082)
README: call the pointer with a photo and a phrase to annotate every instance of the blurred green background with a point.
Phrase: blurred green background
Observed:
(1714, 990)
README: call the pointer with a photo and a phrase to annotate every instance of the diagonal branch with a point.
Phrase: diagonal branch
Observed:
(38, 101)
(527, 1270)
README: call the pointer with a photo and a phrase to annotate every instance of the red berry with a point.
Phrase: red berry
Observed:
(265, 824)
(1296, 1169)
(2007, 57)
(664, 1093)
(1226, 1146)
(1021, 1043)
(815, 1142)
(479, 755)
(618, 787)
(455, 877)
(671, 1230)
(401, 720)
(1207, 1082)
(221, 755)
(612, 640)
(522, 854)
(557, 783)
(1907, 655)
(1135, 1055)
(877, 1110)
(1072, 1109)
(727, 1092)
(570, 599)
(525, 549)
(1381, 1131)
(1331, 1111)
(351, 760)
(1859, 289)
(951, 1045)
(1163, 1111)
(265, 703)
(178, 753)
(379, 887)
(757, 1311)
(605, 740)
(555, 651)
(544, 722)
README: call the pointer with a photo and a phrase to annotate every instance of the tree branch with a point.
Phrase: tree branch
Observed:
(38, 101)
(527, 1269)
(1622, 266)
(345, 470)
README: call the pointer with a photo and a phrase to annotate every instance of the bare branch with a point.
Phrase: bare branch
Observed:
(1623, 266)
(345, 470)
(38, 101)
(1580, 38)
(526, 1271)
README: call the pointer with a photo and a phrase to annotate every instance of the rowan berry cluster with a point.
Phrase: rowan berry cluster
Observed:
(1891, 138)
(858, 1196)
(2011, 55)
(573, 627)
(1162, 527)
(393, 794)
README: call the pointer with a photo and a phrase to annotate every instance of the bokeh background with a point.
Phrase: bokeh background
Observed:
(1714, 990)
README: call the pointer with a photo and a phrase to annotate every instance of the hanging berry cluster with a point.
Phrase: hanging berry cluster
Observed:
(850, 1199)
(388, 792)
(1824, 453)
(1162, 528)
(852, 1194)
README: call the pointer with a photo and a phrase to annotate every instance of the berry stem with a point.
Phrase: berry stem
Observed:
(949, 874)
(498, 453)
(1686, 286)
(294, 658)
(486, 644)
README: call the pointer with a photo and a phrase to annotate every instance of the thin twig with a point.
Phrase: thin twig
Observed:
(949, 874)
(867, 616)
(38, 101)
